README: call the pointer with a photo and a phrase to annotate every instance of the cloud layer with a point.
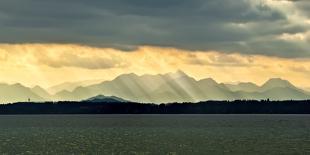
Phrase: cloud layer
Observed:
(49, 64)
(244, 26)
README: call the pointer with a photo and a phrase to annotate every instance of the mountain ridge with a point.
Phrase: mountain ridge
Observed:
(10, 93)
(179, 87)
(106, 99)
(162, 88)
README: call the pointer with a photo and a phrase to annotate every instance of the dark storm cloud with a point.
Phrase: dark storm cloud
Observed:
(188, 24)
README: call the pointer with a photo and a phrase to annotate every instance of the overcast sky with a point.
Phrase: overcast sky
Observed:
(269, 27)
(228, 40)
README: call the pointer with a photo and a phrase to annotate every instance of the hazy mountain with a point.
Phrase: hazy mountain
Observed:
(276, 83)
(17, 93)
(65, 95)
(287, 93)
(213, 90)
(270, 84)
(70, 86)
(107, 99)
(161, 88)
(41, 92)
(278, 93)
(148, 88)
(306, 89)
(243, 86)
(179, 87)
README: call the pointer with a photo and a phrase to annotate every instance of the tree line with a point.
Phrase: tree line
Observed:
(207, 107)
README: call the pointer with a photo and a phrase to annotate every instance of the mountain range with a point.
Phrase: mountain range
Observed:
(161, 88)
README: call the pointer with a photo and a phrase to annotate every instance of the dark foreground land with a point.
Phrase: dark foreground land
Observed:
(155, 134)
(208, 107)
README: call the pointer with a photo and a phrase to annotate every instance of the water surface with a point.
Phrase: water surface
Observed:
(155, 134)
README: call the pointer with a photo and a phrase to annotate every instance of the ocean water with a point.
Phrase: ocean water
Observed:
(155, 134)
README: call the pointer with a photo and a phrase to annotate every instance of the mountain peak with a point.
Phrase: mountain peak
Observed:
(37, 87)
(129, 75)
(17, 85)
(276, 79)
(277, 82)
(41, 92)
(209, 81)
(102, 98)
(243, 86)
(246, 83)
(177, 74)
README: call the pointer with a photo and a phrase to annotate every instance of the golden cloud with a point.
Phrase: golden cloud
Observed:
(48, 64)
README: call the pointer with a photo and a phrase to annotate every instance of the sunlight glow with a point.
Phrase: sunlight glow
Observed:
(50, 64)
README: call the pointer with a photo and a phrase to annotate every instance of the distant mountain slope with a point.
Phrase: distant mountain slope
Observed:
(41, 92)
(17, 93)
(270, 84)
(307, 89)
(278, 93)
(70, 86)
(179, 87)
(244, 86)
(161, 88)
(64, 95)
(276, 83)
(285, 93)
(106, 99)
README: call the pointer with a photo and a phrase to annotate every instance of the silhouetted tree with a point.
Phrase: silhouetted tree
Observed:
(208, 107)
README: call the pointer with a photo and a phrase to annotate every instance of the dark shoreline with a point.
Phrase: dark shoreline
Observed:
(207, 107)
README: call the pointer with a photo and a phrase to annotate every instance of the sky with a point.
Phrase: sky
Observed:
(53, 41)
